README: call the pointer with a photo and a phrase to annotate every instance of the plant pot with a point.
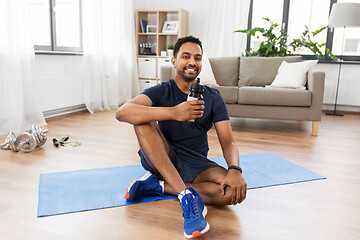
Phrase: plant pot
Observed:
(170, 52)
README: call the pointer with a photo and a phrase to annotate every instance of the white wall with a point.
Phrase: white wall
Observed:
(59, 80)
(348, 87)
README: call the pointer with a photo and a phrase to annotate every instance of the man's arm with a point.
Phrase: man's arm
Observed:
(139, 111)
(234, 178)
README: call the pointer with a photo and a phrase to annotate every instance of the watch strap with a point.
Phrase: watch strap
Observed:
(235, 167)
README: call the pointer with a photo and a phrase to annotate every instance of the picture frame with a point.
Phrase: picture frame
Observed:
(170, 27)
(151, 28)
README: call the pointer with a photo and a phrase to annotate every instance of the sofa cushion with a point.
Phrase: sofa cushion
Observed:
(206, 75)
(261, 71)
(274, 96)
(293, 75)
(229, 93)
(226, 70)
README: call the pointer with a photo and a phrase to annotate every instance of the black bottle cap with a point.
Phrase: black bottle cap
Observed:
(197, 86)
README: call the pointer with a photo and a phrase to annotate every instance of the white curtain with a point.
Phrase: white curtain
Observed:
(19, 104)
(225, 16)
(109, 53)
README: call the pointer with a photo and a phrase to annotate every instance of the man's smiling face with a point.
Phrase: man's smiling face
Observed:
(188, 61)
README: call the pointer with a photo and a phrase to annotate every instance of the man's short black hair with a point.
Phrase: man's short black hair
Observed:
(183, 40)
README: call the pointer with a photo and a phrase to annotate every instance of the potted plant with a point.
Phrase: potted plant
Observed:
(275, 43)
(170, 50)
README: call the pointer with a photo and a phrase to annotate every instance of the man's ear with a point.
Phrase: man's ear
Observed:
(173, 61)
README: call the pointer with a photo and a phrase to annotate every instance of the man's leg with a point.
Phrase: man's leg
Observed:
(155, 150)
(208, 186)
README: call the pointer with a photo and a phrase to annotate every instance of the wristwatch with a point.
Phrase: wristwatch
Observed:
(235, 167)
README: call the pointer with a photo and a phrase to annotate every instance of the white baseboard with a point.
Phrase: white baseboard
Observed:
(346, 108)
(63, 111)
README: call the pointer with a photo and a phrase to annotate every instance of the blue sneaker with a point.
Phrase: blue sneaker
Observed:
(194, 212)
(148, 185)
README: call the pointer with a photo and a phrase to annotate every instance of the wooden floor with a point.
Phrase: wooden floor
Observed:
(326, 209)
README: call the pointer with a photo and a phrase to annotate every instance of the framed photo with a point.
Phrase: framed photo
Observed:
(151, 28)
(170, 27)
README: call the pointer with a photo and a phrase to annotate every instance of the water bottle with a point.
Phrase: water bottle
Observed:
(196, 90)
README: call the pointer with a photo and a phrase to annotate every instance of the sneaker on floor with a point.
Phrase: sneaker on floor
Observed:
(194, 212)
(148, 185)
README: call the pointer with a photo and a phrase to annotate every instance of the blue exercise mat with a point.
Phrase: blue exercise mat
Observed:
(76, 191)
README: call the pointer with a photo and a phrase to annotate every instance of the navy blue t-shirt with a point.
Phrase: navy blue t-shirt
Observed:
(189, 135)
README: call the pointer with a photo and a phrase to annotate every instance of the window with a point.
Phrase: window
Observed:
(295, 14)
(56, 25)
(261, 10)
(313, 13)
(351, 39)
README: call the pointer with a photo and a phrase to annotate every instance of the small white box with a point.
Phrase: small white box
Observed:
(147, 67)
(145, 83)
(163, 62)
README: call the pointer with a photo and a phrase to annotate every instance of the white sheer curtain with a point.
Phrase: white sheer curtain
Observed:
(19, 104)
(225, 16)
(109, 53)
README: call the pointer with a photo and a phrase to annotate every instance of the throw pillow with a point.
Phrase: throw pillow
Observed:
(206, 75)
(261, 71)
(292, 75)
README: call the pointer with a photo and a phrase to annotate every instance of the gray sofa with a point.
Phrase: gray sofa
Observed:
(242, 82)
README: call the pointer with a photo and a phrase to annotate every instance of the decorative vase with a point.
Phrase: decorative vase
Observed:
(170, 52)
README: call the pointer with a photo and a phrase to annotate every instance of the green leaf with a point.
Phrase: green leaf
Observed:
(331, 55)
(275, 42)
(318, 31)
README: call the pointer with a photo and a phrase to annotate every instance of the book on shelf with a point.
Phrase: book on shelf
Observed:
(143, 24)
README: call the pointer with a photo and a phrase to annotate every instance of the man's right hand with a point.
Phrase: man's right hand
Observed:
(189, 110)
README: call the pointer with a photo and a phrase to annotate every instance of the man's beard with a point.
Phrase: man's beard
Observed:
(188, 78)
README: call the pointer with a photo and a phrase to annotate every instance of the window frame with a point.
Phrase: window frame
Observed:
(284, 25)
(53, 48)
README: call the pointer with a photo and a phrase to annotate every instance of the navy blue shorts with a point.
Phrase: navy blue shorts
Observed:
(187, 162)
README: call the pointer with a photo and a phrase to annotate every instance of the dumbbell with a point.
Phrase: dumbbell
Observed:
(39, 134)
(11, 143)
(35, 137)
(27, 141)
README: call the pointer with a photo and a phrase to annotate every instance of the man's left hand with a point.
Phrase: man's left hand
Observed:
(235, 180)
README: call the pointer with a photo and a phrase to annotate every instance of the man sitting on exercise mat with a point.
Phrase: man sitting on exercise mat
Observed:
(174, 151)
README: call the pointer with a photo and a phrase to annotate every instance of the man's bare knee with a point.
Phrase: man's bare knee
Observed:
(149, 134)
(148, 129)
(227, 198)
(219, 198)
(216, 196)
(144, 129)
